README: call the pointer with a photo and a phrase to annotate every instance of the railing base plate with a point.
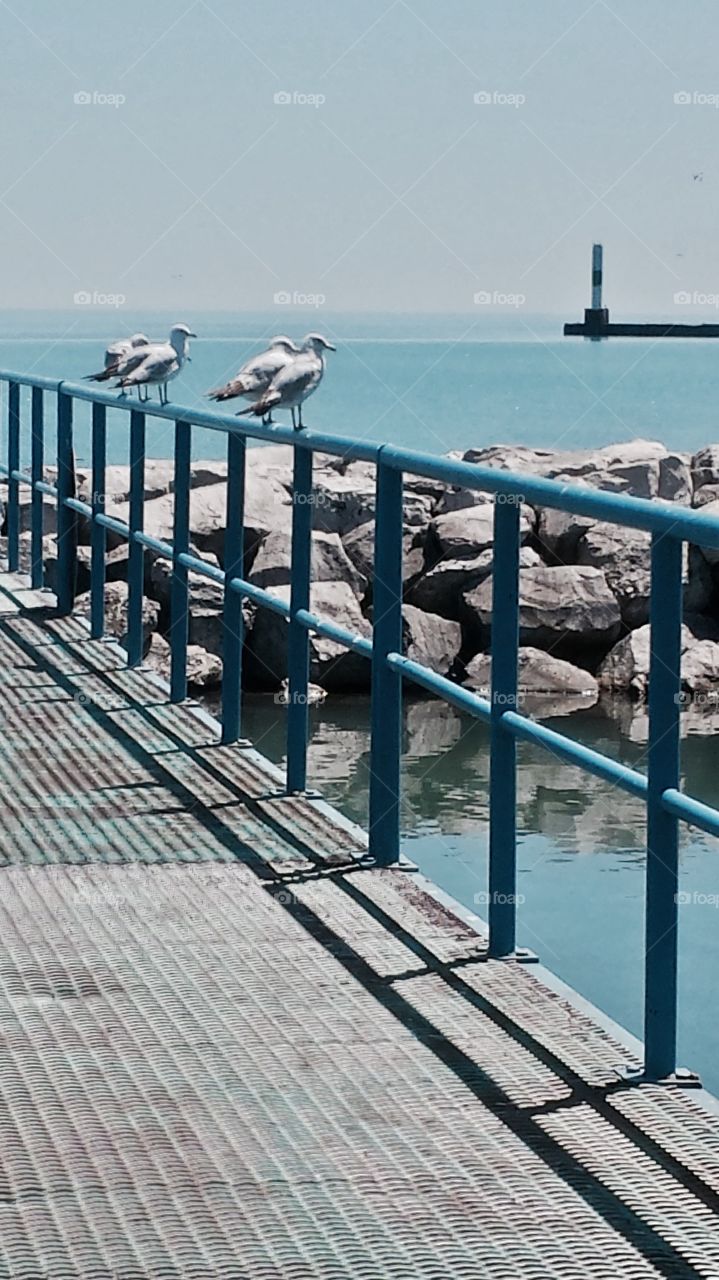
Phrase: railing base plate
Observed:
(520, 955)
(682, 1078)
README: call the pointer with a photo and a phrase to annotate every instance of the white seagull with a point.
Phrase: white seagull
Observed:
(296, 381)
(117, 354)
(257, 373)
(161, 362)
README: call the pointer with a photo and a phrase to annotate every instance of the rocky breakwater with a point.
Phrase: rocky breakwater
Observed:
(584, 584)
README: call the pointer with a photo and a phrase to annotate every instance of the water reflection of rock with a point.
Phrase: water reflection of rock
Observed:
(446, 768)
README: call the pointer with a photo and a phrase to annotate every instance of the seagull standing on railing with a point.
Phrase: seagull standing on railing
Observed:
(117, 354)
(296, 381)
(161, 363)
(257, 373)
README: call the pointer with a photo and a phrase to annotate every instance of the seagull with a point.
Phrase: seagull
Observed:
(117, 354)
(296, 381)
(257, 373)
(161, 362)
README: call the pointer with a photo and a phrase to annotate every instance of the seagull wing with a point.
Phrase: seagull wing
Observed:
(156, 365)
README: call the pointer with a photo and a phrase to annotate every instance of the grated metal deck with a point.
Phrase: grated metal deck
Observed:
(229, 1050)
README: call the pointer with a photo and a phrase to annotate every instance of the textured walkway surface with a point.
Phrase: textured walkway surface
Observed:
(228, 1050)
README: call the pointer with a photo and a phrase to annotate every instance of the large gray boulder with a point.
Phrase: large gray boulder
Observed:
(624, 556)
(116, 601)
(566, 608)
(204, 670)
(626, 666)
(644, 468)
(711, 554)
(705, 468)
(330, 562)
(331, 664)
(441, 588)
(359, 546)
(545, 684)
(465, 533)
(432, 641)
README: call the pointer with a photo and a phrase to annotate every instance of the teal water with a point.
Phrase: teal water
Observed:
(432, 382)
(439, 383)
(581, 854)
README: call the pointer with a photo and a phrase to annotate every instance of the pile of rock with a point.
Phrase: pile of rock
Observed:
(584, 585)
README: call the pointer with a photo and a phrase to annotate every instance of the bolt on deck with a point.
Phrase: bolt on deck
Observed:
(229, 1049)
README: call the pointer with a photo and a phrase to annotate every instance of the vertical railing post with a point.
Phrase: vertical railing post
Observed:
(136, 561)
(37, 459)
(660, 1009)
(386, 731)
(503, 753)
(66, 518)
(179, 595)
(97, 533)
(13, 488)
(232, 623)
(298, 644)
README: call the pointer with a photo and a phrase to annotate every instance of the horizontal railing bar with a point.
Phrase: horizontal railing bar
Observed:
(638, 513)
(574, 753)
(463, 699)
(260, 596)
(691, 811)
(358, 644)
(31, 380)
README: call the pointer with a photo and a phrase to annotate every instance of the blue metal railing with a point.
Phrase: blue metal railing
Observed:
(669, 526)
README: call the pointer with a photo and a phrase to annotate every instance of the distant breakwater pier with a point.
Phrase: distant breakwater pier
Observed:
(597, 325)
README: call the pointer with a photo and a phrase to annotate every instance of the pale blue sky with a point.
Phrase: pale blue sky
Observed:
(398, 192)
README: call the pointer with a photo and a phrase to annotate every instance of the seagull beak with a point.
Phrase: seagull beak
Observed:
(192, 335)
(330, 347)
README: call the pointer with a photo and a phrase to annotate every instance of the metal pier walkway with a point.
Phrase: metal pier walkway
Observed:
(229, 1050)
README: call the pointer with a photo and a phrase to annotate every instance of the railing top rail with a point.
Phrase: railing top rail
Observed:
(651, 516)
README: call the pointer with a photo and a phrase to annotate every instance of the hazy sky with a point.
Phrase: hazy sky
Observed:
(382, 184)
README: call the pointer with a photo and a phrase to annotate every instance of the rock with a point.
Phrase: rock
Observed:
(330, 562)
(204, 670)
(116, 595)
(626, 666)
(267, 508)
(559, 533)
(624, 556)
(315, 695)
(700, 667)
(711, 554)
(158, 582)
(463, 534)
(331, 665)
(644, 468)
(440, 589)
(343, 500)
(705, 468)
(49, 509)
(116, 562)
(430, 640)
(707, 493)
(568, 608)
(359, 546)
(545, 684)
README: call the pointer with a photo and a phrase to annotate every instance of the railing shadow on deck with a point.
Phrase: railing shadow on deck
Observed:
(669, 527)
(393, 991)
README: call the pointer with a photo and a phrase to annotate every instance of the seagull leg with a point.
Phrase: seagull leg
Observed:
(300, 423)
(294, 422)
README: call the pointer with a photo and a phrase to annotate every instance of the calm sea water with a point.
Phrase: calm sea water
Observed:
(439, 383)
(433, 382)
